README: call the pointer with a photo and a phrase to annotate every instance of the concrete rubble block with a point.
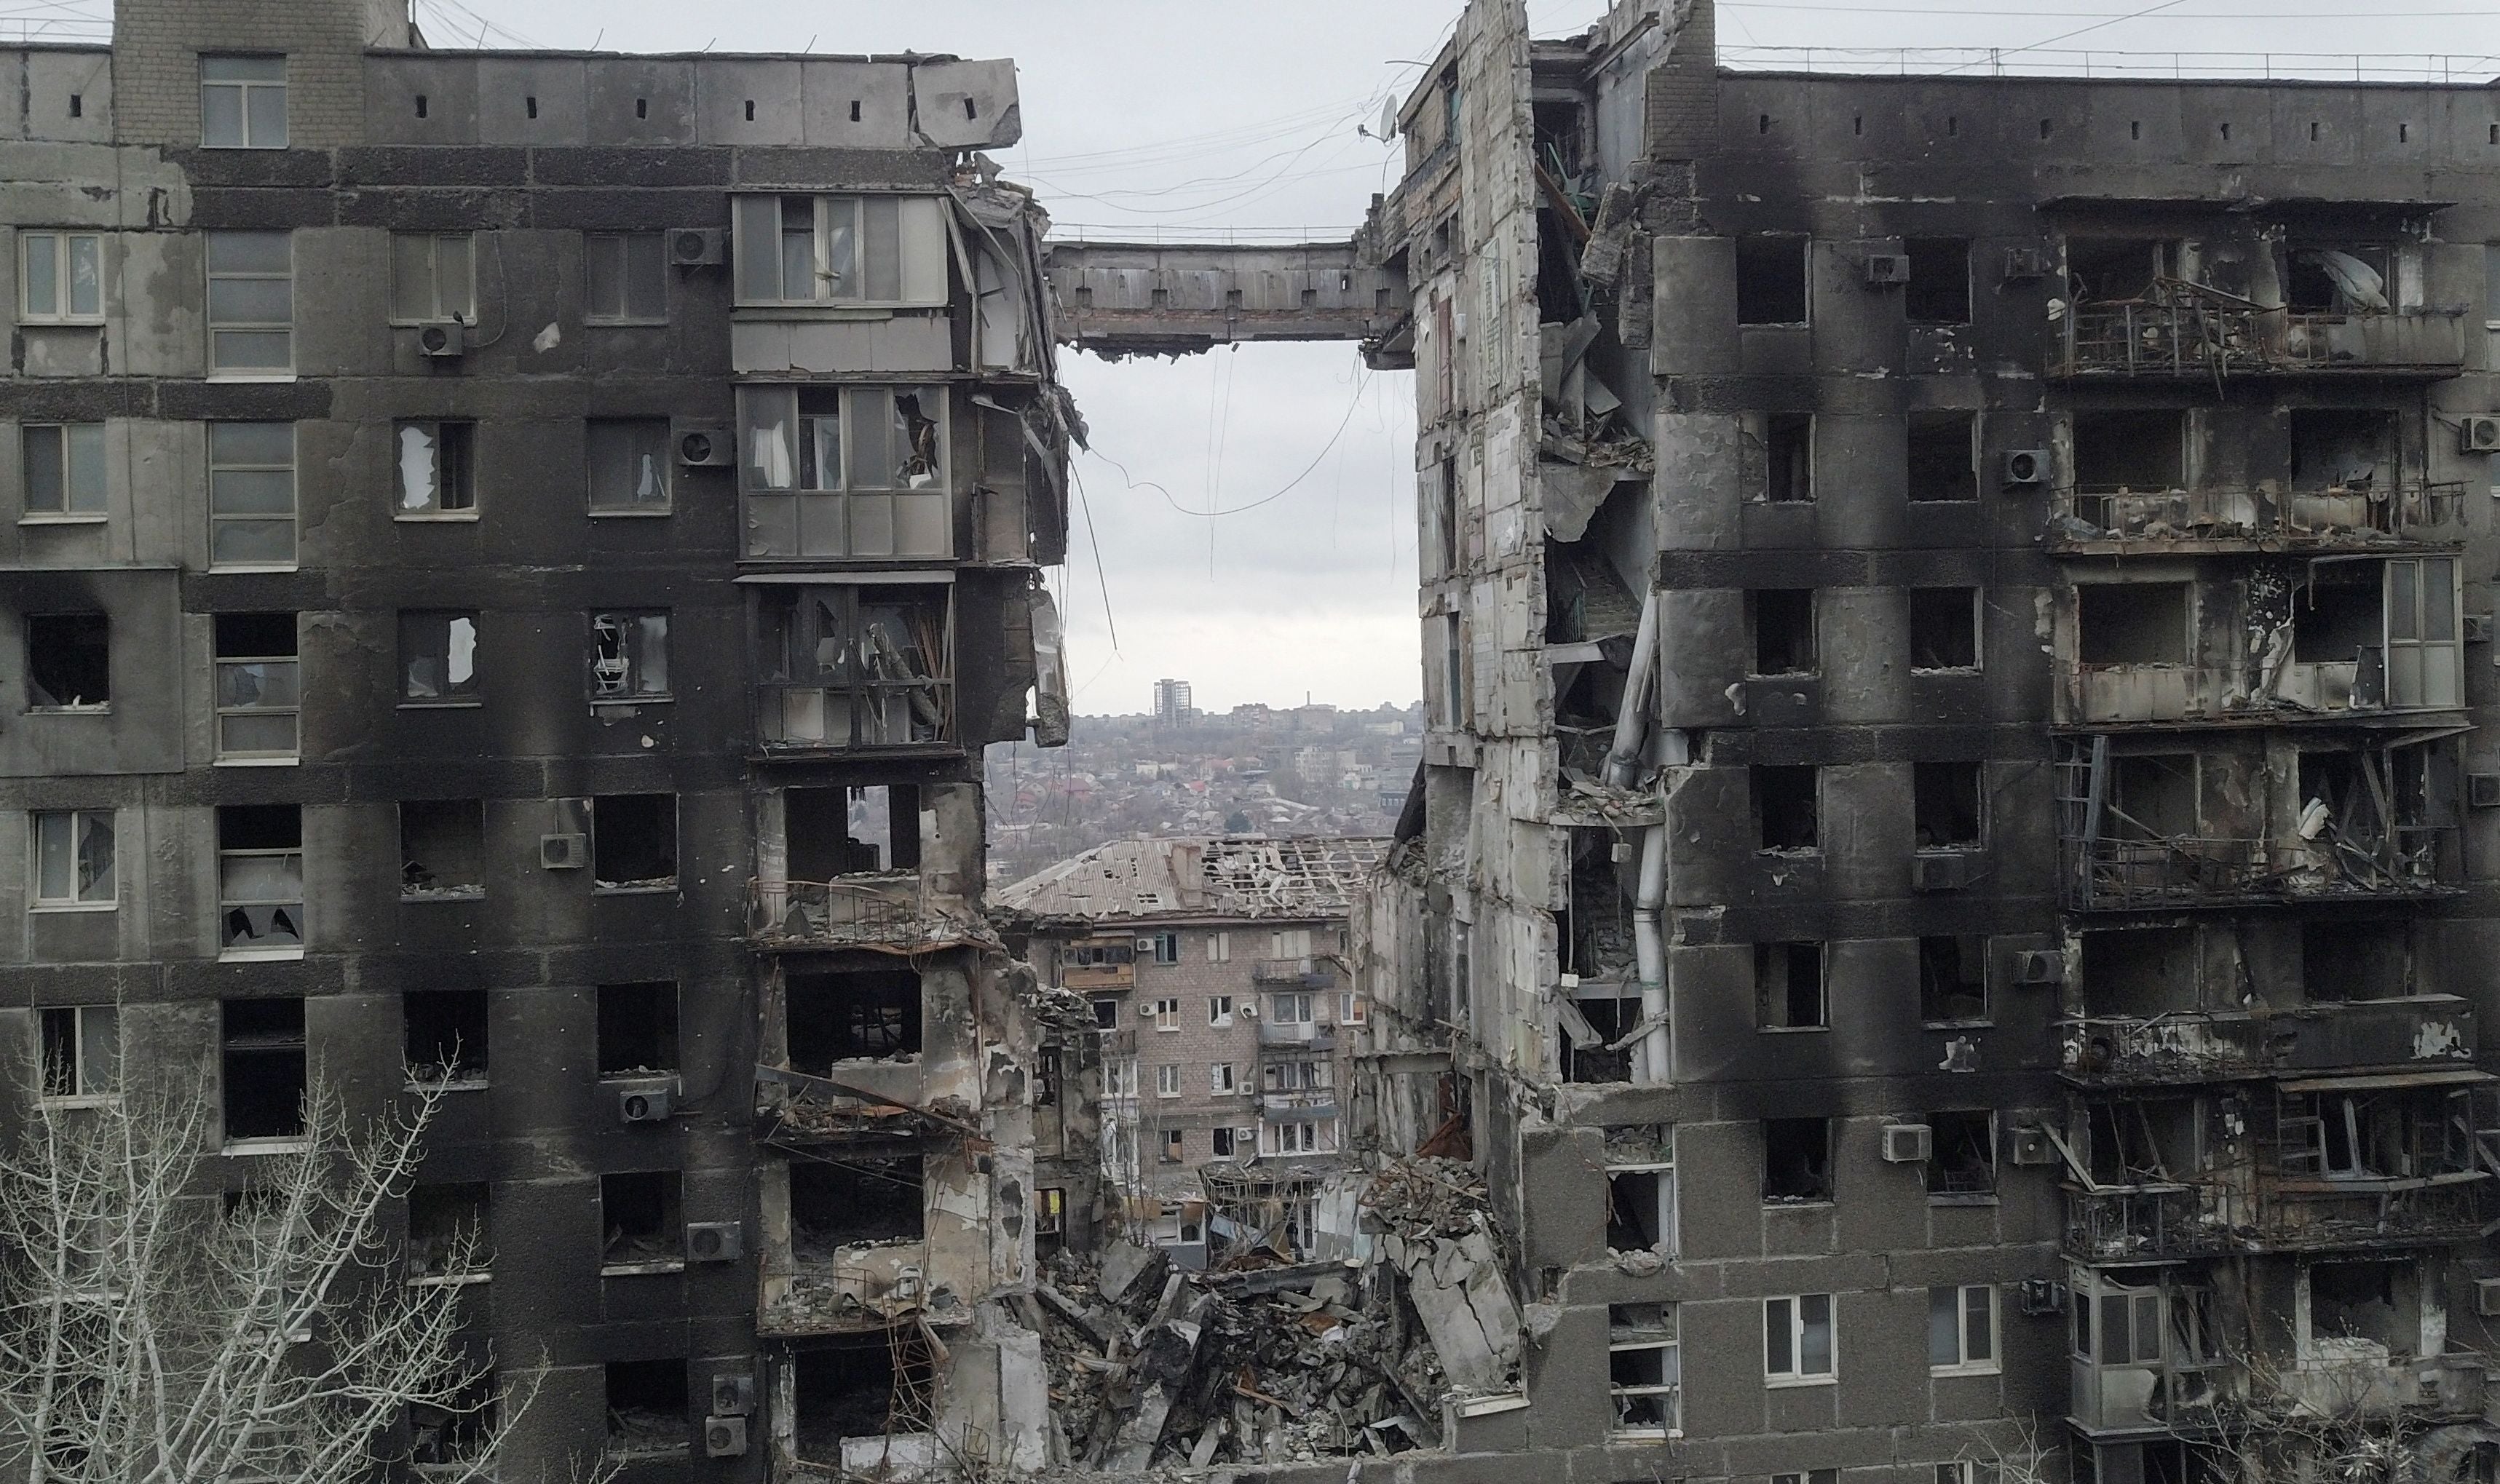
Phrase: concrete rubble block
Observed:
(1123, 1263)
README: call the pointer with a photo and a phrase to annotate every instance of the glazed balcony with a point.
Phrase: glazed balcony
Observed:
(2188, 1047)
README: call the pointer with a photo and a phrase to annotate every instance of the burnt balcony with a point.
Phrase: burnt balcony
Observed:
(2190, 331)
(2153, 1222)
(2188, 1047)
(2175, 871)
(878, 907)
(848, 668)
(2116, 520)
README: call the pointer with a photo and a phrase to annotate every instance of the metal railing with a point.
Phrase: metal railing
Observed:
(2337, 516)
(2187, 870)
(1301, 973)
(2187, 330)
(826, 909)
(2190, 1045)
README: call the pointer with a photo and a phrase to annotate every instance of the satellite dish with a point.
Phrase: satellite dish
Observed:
(1388, 117)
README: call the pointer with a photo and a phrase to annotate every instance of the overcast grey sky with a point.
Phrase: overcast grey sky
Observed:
(1190, 117)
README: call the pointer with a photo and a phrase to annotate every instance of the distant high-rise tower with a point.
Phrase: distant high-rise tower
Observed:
(1171, 701)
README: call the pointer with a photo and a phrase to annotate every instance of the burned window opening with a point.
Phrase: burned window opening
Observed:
(1788, 993)
(628, 462)
(261, 1067)
(2344, 450)
(634, 841)
(2130, 450)
(2107, 270)
(69, 662)
(1640, 1205)
(1612, 1017)
(647, 1408)
(1963, 1157)
(629, 656)
(1771, 280)
(848, 1388)
(856, 667)
(851, 1015)
(447, 1035)
(851, 830)
(437, 659)
(446, 1230)
(1952, 980)
(2357, 1305)
(2141, 1141)
(442, 849)
(2344, 278)
(1939, 287)
(1944, 628)
(1594, 933)
(637, 1028)
(1787, 814)
(1943, 455)
(260, 878)
(1788, 456)
(1797, 1160)
(1783, 639)
(2132, 623)
(1948, 804)
(455, 1434)
(2143, 973)
(2152, 796)
(639, 1219)
(2355, 960)
(2339, 613)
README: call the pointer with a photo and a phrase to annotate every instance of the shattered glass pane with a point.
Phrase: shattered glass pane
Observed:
(915, 434)
(416, 467)
(842, 249)
(94, 857)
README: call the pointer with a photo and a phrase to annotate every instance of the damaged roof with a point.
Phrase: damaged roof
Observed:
(1224, 875)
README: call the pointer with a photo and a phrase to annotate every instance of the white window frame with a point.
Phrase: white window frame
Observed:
(86, 495)
(1667, 1342)
(230, 901)
(81, 897)
(244, 88)
(1219, 1011)
(1165, 948)
(1789, 1310)
(1167, 1013)
(835, 233)
(620, 245)
(463, 306)
(1355, 1010)
(1168, 1080)
(1219, 948)
(1223, 1079)
(1120, 1077)
(252, 517)
(1809, 1476)
(1966, 1364)
(218, 371)
(219, 664)
(65, 248)
(1293, 1008)
(84, 1091)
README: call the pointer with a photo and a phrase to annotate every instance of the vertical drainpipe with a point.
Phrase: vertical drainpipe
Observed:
(1649, 941)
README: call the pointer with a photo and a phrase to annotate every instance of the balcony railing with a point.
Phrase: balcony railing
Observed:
(2105, 875)
(1309, 1035)
(909, 711)
(1319, 1102)
(2118, 694)
(851, 908)
(2140, 1223)
(2185, 1047)
(2185, 330)
(1296, 973)
(2117, 518)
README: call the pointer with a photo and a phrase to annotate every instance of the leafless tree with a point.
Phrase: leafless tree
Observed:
(153, 1331)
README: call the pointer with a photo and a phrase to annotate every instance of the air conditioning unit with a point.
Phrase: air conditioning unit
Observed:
(2030, 1145)
(445, 342)
(2025, 263)
(1887, 270)
(644, 1105)
(708, 448)
(1907, 1144)
(1248, 1010)
(2479, 434)
(695, 246)
(564, 853)
(733, 1394)
(2039, 966)
(1145, 945)
(2478, 627)
(2487, 1296)
(2039, 1296)
(724, 1437)
(2026, 465)
(715, 1242)
(1939, 871)
(2483, 791)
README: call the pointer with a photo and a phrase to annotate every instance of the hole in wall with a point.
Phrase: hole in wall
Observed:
(1763, 126)
(420, 104)
(532, 105)
(971, 109)
(2135, 129)
(78, 104)
(750, 111)
(641, 107)
(855, 113)
(2045, 128)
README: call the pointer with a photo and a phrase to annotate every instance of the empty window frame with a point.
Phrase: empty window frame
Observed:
(1786, 816)
(1961, 1330)
(446, 1036)
(629, 656)
(1797, 1160)
(1948, 804)
(852, 1201)
(251, 495)
(628, 278)
(1952, 980)
(1783, 620)
(434, 468)
(1788, 986)
(853, 1014)
(64, 469)
(2132, 449)
(2132, 623)
(1939, 288)
(854, 666)
(1770, 280)
(260, 880)
(442, 849)
(648, 1415)
(261, 1069)
(1163, 948)
(81, 1052)
(1798, 1345)
(1220, 1142)
(1644, 1368)
(438, 658)
(638, 1213)
(447, 1234)
(845, 471)
(841, 249)
(629, 465)
(433, 278)
(259, 687)
(1640, 1188)
(1963, 1159)
(242, 102)
(69, 662)
(1223, 1079)
(61, 277)
(637, 1028)
(1219, 1007)
(1175, 1147)
(73, 851)
(634, 842)
(869, 1386)
(251, 304)
(1809, 1476)
(1787, 452)
(1943, 455)
(1944, 628)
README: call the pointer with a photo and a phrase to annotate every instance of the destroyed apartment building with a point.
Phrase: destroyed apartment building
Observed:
(615, 489)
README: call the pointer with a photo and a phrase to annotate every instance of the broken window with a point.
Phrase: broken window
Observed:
(251, 495)
(637, 1214)
(1050, 1210)
(847, 472)
(81, 1052)
(446, 1036)
(260, 686)
(454, 1436)
(637, 1028)
(2106, 270)
(2136, 450)
(260, 877)
(1176, 1145)
(433, 278)
(842, 1016)
(72, 851)
(2344, 451)
(1107, 1014)
(629, 465)
(1770, 280)
(1943, 455)
(1222, 1080)
(846, 831)
(2132, 623)
(647, 1408)
(634, 842)
(628, 278)
(629, 656)
(1961, 1329)
(1445, 521)
(438, 658)
(251, 304)
(436, 468)
(1786, 441)
(1948, 804)
(2349, 278)
(854, 1201)
(442, 849)
(2152, 795)
(1787, 986)
(1944, 628)
(1796, 1159)
(64, 468)
(849, 667)
(854, 249)
(1786, 812)
(242, 102)
(2339, 613)
(850, 1388)
(1797, 1340)
(2371, 1302)
(1645, 1374)
(1952, 980)
(1220, 1142)
(261, 1069)
(1640, 1188)
(69, 662)
(2355, 960)
(446, 1232)
(1939, 288)
(62, 279)
(1962, 1159)
(1783, 630)
(1219, 1007)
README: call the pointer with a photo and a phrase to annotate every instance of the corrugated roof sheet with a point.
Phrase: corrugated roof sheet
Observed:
(1243, 876)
